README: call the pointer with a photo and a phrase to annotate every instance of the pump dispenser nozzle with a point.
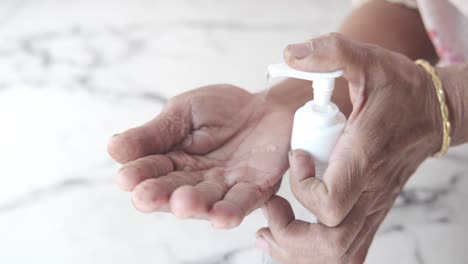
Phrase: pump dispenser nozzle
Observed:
(323, 82)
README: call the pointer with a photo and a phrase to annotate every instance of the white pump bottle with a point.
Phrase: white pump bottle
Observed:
(319, 123)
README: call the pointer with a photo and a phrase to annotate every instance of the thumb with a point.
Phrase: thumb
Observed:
(157, 136)
(304, 185)
(330, 53)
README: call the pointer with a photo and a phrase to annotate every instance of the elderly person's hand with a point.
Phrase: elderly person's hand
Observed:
(394, 126)
(214, 153)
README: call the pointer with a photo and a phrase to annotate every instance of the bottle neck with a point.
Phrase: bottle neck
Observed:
(322, 115)
(323, 89)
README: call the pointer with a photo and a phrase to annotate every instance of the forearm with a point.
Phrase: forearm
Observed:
(390, 26)
(455, 84)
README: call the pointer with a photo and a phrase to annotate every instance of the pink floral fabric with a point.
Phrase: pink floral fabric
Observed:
(446, 22)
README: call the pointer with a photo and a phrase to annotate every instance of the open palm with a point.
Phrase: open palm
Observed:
(216, 153)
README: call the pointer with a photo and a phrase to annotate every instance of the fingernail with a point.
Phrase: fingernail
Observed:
(115, 135)
(262, 244)
(300, 50)
(265, 212)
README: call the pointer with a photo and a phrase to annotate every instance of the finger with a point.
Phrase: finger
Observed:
(332, 197)
(265, 242)
(305, 240)
(153, 194)
(275, 240)
(279, 214)
(185, 201)
(155, 137)
(238, 202)
(134, 172)
(284, 227)
(329, 53)
(304, 185)
(196, 201)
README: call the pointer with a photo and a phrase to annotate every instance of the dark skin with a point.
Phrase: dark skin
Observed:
(219, 152)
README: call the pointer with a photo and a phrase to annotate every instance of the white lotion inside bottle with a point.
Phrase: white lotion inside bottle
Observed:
(319, 123)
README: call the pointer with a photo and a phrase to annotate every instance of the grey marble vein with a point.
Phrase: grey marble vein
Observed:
(398, 228)
(224, 258)
(107, 92)
(417, 253)
(50, 191)
(79, 71)
(428, 196)
(80, 74)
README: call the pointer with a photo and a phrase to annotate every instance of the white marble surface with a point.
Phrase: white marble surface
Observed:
(72, 73)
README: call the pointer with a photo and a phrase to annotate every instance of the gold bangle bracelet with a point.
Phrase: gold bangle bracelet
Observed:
(443, 105)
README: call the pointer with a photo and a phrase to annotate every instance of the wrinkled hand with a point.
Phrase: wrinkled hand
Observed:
(215, 153)
(393, 127)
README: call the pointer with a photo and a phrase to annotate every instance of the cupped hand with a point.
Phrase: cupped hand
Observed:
(394, 126)
(215, 153)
